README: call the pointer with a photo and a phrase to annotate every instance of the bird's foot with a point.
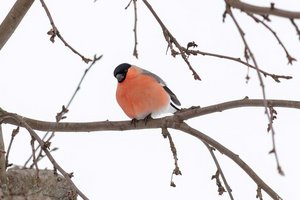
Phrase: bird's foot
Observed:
(147, 118)
(134, 121)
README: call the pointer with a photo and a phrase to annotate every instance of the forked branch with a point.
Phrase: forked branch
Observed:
(174, 122)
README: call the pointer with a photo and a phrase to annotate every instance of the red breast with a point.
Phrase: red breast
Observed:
(140, 94)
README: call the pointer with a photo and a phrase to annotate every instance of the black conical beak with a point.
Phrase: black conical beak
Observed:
(120, 77)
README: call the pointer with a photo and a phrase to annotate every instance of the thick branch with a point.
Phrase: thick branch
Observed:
(13, 19)
(191, 113)
(175, 122)
(164, 122)
(185, 128)
(263, 10)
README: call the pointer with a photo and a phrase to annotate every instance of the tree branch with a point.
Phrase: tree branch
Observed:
(54, 32)
(174, 122)
(3, 178)
(176, 170)
(289, 57)
(135, 51)
(271, 10)
(65, 109)
(275, 77)
(234, 157)
(248, 53)
(164, 122)
(33, 134)
(219, 172)
(172, 40)
(13, 135)
(296, 27)
(13, 19)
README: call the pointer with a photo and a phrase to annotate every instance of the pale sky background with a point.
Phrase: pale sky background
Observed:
(38, 77)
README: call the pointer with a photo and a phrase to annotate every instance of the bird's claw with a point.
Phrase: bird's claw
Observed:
(134, 121)
(147, 118)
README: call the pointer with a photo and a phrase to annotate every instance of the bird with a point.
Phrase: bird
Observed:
(142, 94)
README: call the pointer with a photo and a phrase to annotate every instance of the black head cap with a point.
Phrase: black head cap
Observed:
(121, 71)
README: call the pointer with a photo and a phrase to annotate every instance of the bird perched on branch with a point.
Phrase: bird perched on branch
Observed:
(142, 94)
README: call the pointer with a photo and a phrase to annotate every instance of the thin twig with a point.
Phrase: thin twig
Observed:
(171, 39)
(135, 51)
(37, 159)
(128, 5)
(219, 172)
(40, 156)
(82, 78)
(273, 113)
(3, 177)
(55, 32)
(13, 134)
(296, 27)
(239, 60)
(34, 158)
(289, 57)
(176, 171)
(248, 50)
(61, 114)
(221, 188)
(37, 148)
(258, 193)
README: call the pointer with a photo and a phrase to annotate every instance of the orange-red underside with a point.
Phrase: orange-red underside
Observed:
(140, 94)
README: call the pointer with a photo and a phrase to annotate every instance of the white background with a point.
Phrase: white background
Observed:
(38, 77)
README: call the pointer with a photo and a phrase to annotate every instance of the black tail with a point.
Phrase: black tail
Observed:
(172, 96)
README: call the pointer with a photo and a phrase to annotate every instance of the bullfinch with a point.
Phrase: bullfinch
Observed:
(142, 94)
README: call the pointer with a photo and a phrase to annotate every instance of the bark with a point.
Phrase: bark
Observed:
(13, 19)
